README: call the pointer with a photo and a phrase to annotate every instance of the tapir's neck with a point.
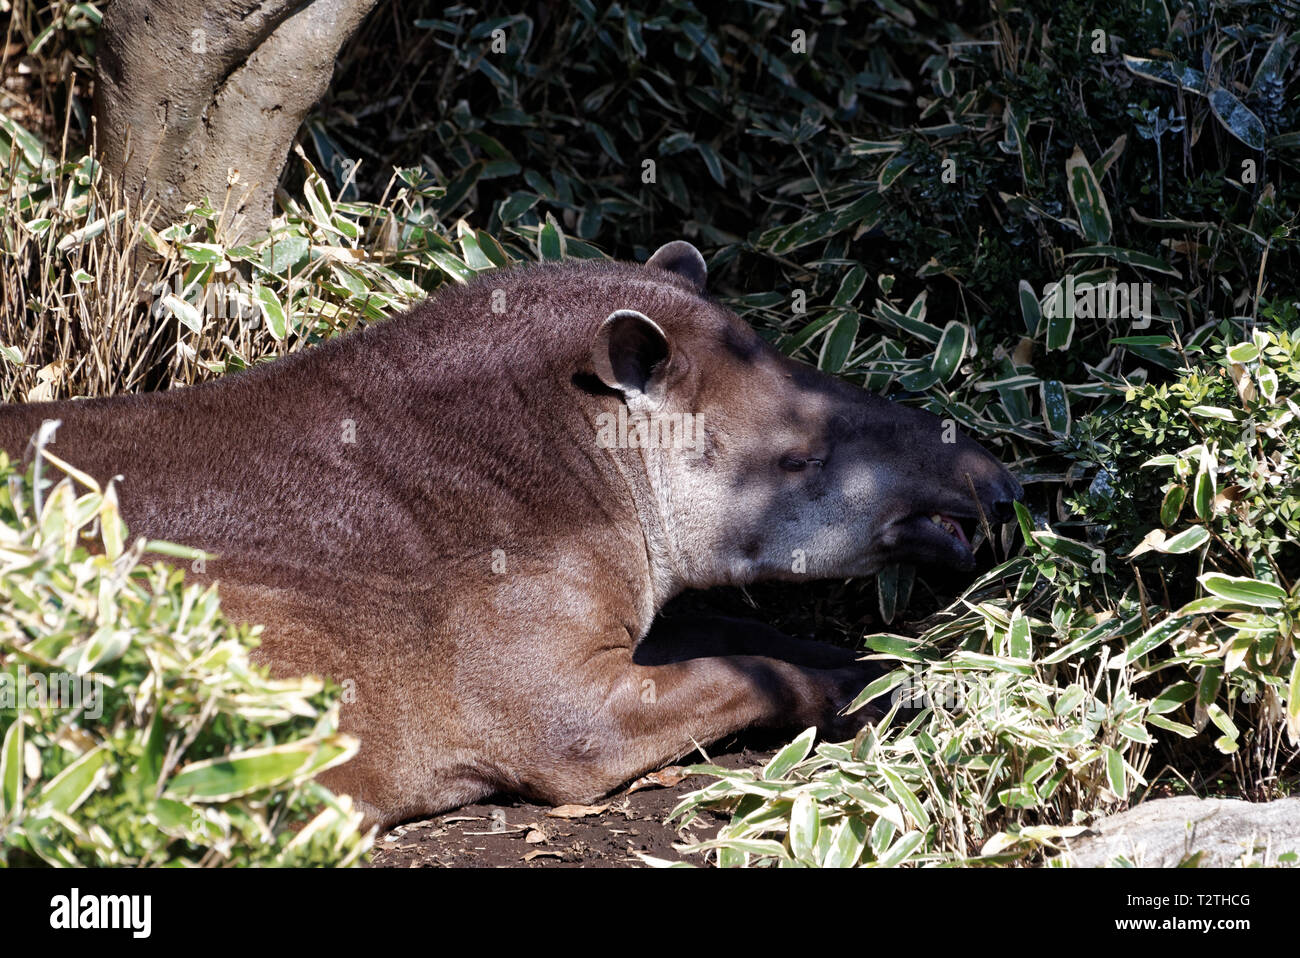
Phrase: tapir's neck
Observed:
(662, 570)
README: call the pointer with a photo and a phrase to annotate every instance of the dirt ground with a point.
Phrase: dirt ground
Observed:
(512, 833)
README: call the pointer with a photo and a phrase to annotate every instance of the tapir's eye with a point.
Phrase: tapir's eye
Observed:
(794, 462)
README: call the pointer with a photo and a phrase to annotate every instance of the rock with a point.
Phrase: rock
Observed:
(1165, 832)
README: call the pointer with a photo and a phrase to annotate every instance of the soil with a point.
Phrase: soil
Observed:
(512, 833)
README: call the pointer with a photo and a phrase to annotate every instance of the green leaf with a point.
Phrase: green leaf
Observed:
(1152, 638)
(1025, 520)
(837, 346)
(221, 779)
(1237, 118)
(880, 686)
(887, 591)
(1070, 699)
(1056, 407)
(516, 205)
(1060, 319)
(848, 839)
(11, 767)
(1019, 639)
(1115, 772)
(1225, 725)
(1293, 703)
(951, 350)
(632, 30)
(1246, 352)
(1252, 592)
(1129, 257)
(1172, 505)
(189, 316)
(1185, 541)
(901, 850)
(1029, 308)
(285, 253)
(850, 287)
(890, 316)
(905, 796)
(1167, 72)
(451, 264)
(804, 822)
(893, 168)
(1018, 137)
(790, 756)
(1268, 384)
(550, 241)
(712, 163)
(72, 786)
(458, 189)
(753, 846)
(272, 311)
(1086, 195)
(1171, 698)
(1141, 341)
(34, 152)
(1203, 497)
(1107, 159)
(1178, 728)
(473, 254)
(1214, 412)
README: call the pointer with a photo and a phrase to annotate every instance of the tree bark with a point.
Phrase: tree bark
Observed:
(189, 90)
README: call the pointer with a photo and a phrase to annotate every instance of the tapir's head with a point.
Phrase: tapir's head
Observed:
(762, 467)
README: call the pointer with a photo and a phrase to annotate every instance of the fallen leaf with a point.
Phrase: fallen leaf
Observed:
(664, 778)
(47, 377)
(535, 837)
(539, 852)
(1024, 354)
(1153, 540)
(576, 811)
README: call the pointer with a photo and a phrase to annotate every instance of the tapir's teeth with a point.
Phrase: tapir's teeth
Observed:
(939, 520)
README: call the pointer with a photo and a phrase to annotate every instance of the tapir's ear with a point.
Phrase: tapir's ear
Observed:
(630, 353)
(682, 258)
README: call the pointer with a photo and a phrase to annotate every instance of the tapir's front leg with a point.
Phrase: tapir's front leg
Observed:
(656, 708)
(674, 639)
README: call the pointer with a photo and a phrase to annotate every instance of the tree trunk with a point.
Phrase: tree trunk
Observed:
(189, 90)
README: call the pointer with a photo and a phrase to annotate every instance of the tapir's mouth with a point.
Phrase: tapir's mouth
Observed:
(953, 527)
(934, 537)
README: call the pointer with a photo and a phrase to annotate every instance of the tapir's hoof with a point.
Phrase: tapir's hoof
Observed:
(836, 725)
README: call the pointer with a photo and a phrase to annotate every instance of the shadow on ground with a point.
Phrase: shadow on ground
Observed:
(511, 833)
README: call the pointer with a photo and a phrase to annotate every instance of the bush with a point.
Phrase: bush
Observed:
(1067, 680)
(133, 728)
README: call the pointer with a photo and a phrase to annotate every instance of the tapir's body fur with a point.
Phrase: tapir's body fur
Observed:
(419, 510)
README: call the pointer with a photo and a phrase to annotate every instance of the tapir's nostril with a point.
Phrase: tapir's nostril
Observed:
(1002, 507)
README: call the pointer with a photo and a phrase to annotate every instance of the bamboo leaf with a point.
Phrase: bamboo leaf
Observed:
(1086, 195)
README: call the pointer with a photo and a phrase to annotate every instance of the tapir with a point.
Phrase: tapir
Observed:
(470, 514)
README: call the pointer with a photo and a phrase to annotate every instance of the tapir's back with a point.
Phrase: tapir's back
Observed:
(400, 450)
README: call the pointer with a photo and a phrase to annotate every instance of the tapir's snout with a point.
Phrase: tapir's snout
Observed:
(996, 489)
(941, 486)
(1003, 505)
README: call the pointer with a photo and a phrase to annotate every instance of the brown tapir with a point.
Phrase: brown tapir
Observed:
(471, 514)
